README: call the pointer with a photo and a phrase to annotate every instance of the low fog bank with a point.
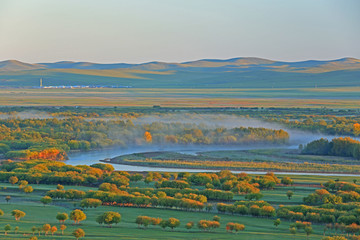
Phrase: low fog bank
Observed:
(208, 120)
(33, 114)
(297, 137)
(205, 121)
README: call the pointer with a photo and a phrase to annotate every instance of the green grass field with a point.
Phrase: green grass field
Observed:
(218, 97)
(38, 215)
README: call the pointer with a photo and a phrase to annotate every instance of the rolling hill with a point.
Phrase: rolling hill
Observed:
(206, 73)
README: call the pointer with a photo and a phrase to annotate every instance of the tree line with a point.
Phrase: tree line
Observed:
(344, 147)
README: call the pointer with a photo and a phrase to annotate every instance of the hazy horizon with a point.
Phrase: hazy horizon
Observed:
(170, 62)
(177, 31)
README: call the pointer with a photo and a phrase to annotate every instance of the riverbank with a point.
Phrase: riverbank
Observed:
(144, 168)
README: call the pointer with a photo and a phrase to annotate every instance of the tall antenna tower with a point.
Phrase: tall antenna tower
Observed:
(41, 83)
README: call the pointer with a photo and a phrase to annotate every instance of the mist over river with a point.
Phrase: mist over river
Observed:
(94, 156)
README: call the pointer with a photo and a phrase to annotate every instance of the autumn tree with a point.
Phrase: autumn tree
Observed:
(287, 181)
(46, 228)
(148, 137)
(189, 225)
(173, 223)
(22, 184)
(337, 238)
(62, 228)
(13, 180)
(109, 218)
(90, 203)
(268, 211)
(78, 233)
(18, 214)
(77, 216)
(53, 230)
(230, 227)
(7, 198)
(155, 221)
(28, 189)
(207, 225)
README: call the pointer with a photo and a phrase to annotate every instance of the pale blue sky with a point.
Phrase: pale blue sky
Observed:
(167, 30)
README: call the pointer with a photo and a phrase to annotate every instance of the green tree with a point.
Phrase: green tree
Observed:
(292, 230)
(46, 200)
(62, 217)
(216, 218)
(287, 181)
(34, 229)
(7, 228)
(254, 196)
(308, 231)
(289, 194)
(163, 224)
(277, 222)
(143, 220)
(16, 229)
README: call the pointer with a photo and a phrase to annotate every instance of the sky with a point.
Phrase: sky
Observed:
(135, 31)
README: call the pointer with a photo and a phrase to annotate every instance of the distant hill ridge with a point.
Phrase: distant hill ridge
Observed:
(235, 72)
(338, 64)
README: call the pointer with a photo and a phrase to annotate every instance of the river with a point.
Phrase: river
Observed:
(91, 157)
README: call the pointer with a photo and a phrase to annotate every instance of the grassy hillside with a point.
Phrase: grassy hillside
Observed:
(232, 73)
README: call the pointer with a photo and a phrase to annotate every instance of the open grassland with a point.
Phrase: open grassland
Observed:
(259, 97)
(38, 215)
